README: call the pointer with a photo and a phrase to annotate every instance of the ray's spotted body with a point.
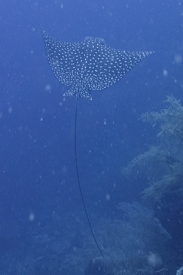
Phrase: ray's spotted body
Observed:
(88, 65)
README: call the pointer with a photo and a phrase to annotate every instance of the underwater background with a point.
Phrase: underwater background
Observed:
(129, 143)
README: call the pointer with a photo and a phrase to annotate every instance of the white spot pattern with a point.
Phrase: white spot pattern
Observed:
(88, 65)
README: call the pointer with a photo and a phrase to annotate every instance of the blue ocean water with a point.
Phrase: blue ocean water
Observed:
(41, 211)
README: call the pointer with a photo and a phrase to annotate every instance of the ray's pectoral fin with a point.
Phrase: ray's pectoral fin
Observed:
(71, 92)
(74, 91)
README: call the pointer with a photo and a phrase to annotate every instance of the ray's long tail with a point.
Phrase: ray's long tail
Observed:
(79, 183)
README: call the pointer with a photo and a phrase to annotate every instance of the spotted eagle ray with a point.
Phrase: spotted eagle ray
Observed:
(84, 67)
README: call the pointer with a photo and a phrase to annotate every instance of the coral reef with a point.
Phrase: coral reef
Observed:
(161, 171)
(162, 165)
(127, 243)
